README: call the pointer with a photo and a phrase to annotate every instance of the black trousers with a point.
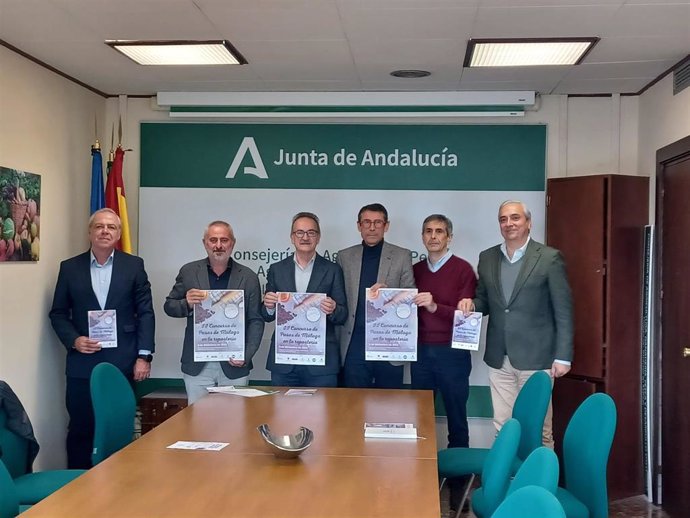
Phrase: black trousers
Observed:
(81, 424)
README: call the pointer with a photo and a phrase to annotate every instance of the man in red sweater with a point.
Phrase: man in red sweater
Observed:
(442, 280)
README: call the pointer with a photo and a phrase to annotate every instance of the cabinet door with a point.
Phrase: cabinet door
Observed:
(575, 224)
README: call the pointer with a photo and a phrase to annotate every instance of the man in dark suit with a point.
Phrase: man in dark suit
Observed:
(372, 264)
(100, 279)
(216, 272)
(307, 272)
(524, 289)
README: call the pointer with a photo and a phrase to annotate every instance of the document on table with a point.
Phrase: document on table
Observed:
(219, 326)
(103, 327)
(301, 392)
(391, 325)
(300, 329)
(196, 445)
(241, 391)
(390, 431)
(466, 331)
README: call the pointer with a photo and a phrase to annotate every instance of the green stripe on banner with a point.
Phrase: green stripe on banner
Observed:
(346, 109)
(450, 157)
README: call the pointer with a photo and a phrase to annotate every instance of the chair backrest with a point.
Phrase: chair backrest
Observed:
(114, 407)
(586, 446)
(530, 409)
(498, 464)
(14, 450)
(539, 469)
(9, 504)
(530, 502)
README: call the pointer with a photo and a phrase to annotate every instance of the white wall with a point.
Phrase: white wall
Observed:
(46, 127)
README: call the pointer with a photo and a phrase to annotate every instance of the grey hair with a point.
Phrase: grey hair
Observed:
(105, 211)
(220, 223)
(443, 219)
(525, 209)
(309, 215)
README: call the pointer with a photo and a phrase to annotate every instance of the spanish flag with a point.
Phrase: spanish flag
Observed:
(115, 199)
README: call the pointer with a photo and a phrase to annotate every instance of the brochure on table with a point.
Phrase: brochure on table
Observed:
(390, 431)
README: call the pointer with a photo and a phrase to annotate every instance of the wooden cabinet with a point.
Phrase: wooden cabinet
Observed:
(159, 405)
(598, 222)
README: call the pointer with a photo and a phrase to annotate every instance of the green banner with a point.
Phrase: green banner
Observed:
(344, 156)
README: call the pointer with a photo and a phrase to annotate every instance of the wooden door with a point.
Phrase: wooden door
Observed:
(575, 224)
(673, 215)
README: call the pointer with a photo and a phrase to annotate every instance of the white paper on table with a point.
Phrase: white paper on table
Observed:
(197, 445)
(103, 327)
(391, 325)
(466, 331)
(300, 337)
(301, 392)
(390, 431)
(241, 391)
(219, 326)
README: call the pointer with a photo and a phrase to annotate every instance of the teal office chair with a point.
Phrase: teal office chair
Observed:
(540, 469)
(586, 446)
(30, 488)
(497, 469)
(9, 501)
(530, 502)
(529, 409)
(114, 407)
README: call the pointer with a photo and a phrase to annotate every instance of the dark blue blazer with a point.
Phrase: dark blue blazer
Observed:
(129, 295)
(326, 277)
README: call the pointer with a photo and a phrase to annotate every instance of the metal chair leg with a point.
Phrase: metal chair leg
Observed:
(465, 494)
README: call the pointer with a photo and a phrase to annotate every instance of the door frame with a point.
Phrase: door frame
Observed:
(664, 155)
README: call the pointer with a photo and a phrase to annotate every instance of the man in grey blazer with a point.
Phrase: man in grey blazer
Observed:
(307, 272)
(524, 289)
(217, 272)
(371, 264)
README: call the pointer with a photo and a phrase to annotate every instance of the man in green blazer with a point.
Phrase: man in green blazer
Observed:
(524, 289)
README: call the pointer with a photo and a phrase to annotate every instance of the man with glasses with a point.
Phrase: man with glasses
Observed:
(372, 264)
(216, 272)
(307, 272)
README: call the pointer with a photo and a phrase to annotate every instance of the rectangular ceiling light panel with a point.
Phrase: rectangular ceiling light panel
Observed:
(179, 53)
(527, 53)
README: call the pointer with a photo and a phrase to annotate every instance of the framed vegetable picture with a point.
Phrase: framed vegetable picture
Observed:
(20, 207)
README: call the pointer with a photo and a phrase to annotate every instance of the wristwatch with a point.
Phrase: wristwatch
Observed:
(145, 357)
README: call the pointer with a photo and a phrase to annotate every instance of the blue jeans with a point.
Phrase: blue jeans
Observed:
(300, 377)
(443, 369)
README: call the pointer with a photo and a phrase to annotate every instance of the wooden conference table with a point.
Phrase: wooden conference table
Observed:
(340, 475)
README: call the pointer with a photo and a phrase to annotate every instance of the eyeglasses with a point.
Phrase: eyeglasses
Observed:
(378, 223)
(299, 234)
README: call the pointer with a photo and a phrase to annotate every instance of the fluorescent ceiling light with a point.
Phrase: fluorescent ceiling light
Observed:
(219, 52)
(527, 52)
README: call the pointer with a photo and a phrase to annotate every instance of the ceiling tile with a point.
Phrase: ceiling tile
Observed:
(416, 53)
(420, 23)
(619, 70)
(541, 22)
(598, 86)
(610, 50)
(650, 20)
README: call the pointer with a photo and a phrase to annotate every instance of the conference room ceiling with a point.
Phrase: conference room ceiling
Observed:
(351, 45)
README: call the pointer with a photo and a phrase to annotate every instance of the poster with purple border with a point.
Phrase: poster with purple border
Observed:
(300, 329)
(219, 326)
(391, 325)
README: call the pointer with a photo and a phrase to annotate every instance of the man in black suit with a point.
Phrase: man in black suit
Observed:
(307, 272)
(100, 279)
